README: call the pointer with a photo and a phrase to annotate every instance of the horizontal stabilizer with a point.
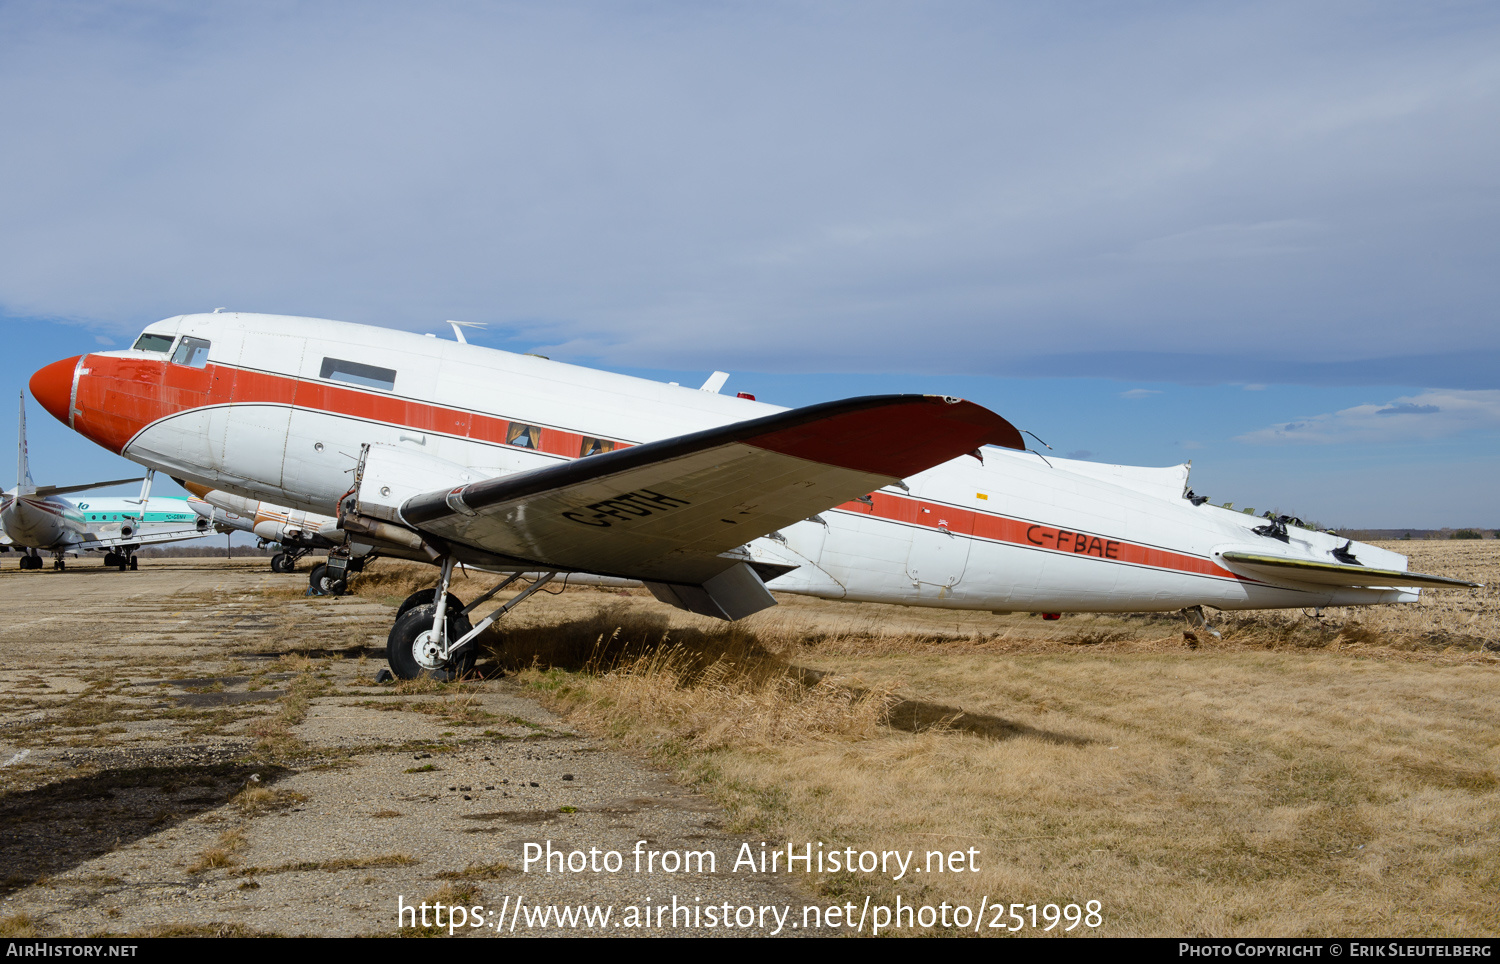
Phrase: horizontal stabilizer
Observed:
(46, 490)
(1337, 573)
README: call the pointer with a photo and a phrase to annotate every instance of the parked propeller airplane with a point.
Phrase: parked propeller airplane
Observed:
(454, 453)
(297, 532)
(34, 520)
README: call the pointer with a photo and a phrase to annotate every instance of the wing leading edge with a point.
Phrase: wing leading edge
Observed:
(668, 511)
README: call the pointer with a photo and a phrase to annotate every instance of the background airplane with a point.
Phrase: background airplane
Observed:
(35, 520)
(297, 532)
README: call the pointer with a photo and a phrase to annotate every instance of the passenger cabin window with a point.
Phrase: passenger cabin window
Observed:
(526, 436)
(595, 446)
(353, 373)
(150, 342)
(192, 352)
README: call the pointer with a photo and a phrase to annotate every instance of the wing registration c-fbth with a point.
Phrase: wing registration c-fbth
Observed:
(665, 510)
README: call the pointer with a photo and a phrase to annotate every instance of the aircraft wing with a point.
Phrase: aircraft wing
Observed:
(1337, 573)
(155, 537)
(666, 511)
(46, 490)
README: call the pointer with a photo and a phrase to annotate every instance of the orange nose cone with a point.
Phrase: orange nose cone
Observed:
(52, 387)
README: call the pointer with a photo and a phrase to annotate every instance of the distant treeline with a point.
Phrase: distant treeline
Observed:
(201, 552)
(1370, 535)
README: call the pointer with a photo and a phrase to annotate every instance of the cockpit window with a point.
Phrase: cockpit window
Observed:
(150, 342)
(353, 373)
(192, 352)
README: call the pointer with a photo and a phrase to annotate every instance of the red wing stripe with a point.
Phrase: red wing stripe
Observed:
(894, 440)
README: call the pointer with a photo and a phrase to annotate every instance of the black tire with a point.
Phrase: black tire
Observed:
(325, 585)
(426, 597)
(281, 563)
(135, 564)
(400, 651)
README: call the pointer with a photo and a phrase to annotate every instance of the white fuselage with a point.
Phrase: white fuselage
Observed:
(277, 409)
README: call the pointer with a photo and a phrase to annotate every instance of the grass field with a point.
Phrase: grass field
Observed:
(1297, 775)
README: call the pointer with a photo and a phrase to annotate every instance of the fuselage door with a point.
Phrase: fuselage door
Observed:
(939, 547)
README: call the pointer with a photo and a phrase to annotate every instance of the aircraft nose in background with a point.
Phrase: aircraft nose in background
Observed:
(52, 387)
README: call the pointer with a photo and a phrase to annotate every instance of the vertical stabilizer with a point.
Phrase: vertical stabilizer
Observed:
(23, 466)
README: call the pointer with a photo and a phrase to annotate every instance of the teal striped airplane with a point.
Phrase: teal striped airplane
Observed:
(34, 519)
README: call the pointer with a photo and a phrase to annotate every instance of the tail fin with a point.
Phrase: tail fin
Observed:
(23, 465)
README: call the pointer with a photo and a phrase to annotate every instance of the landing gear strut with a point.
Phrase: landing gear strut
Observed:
(433, 638)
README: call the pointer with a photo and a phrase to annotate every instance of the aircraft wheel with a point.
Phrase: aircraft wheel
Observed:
(110, 560)
(324, 585)
(135, 564)
(425, 597)
(281, 563)
(58, 565)
(411, 652)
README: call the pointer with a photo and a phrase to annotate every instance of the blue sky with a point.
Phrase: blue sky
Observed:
(1259, 236)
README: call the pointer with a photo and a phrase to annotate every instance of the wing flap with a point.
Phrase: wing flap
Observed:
(1337, 573)
(666, 511)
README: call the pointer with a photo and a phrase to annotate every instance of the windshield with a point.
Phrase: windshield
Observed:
(150, 342)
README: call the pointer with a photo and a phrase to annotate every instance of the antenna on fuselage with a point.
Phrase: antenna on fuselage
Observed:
(459, 326)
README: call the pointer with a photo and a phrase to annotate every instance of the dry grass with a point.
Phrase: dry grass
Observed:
(19, 925)
(330, 866)
(274, 733)
(231, 842)
(494, 871)
(1298, 776)
(1301, 774)
(256, 800)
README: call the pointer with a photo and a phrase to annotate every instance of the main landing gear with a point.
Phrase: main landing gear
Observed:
(31, 560)
(433, 636)
(123, 560)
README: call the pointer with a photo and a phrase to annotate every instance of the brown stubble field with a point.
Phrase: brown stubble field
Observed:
(1299, 775)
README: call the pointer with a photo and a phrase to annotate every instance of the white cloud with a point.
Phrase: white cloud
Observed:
(1432, 414)
(1140, 393)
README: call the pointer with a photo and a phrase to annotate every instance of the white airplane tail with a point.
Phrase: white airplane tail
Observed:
(25, 485)
(23, 464)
